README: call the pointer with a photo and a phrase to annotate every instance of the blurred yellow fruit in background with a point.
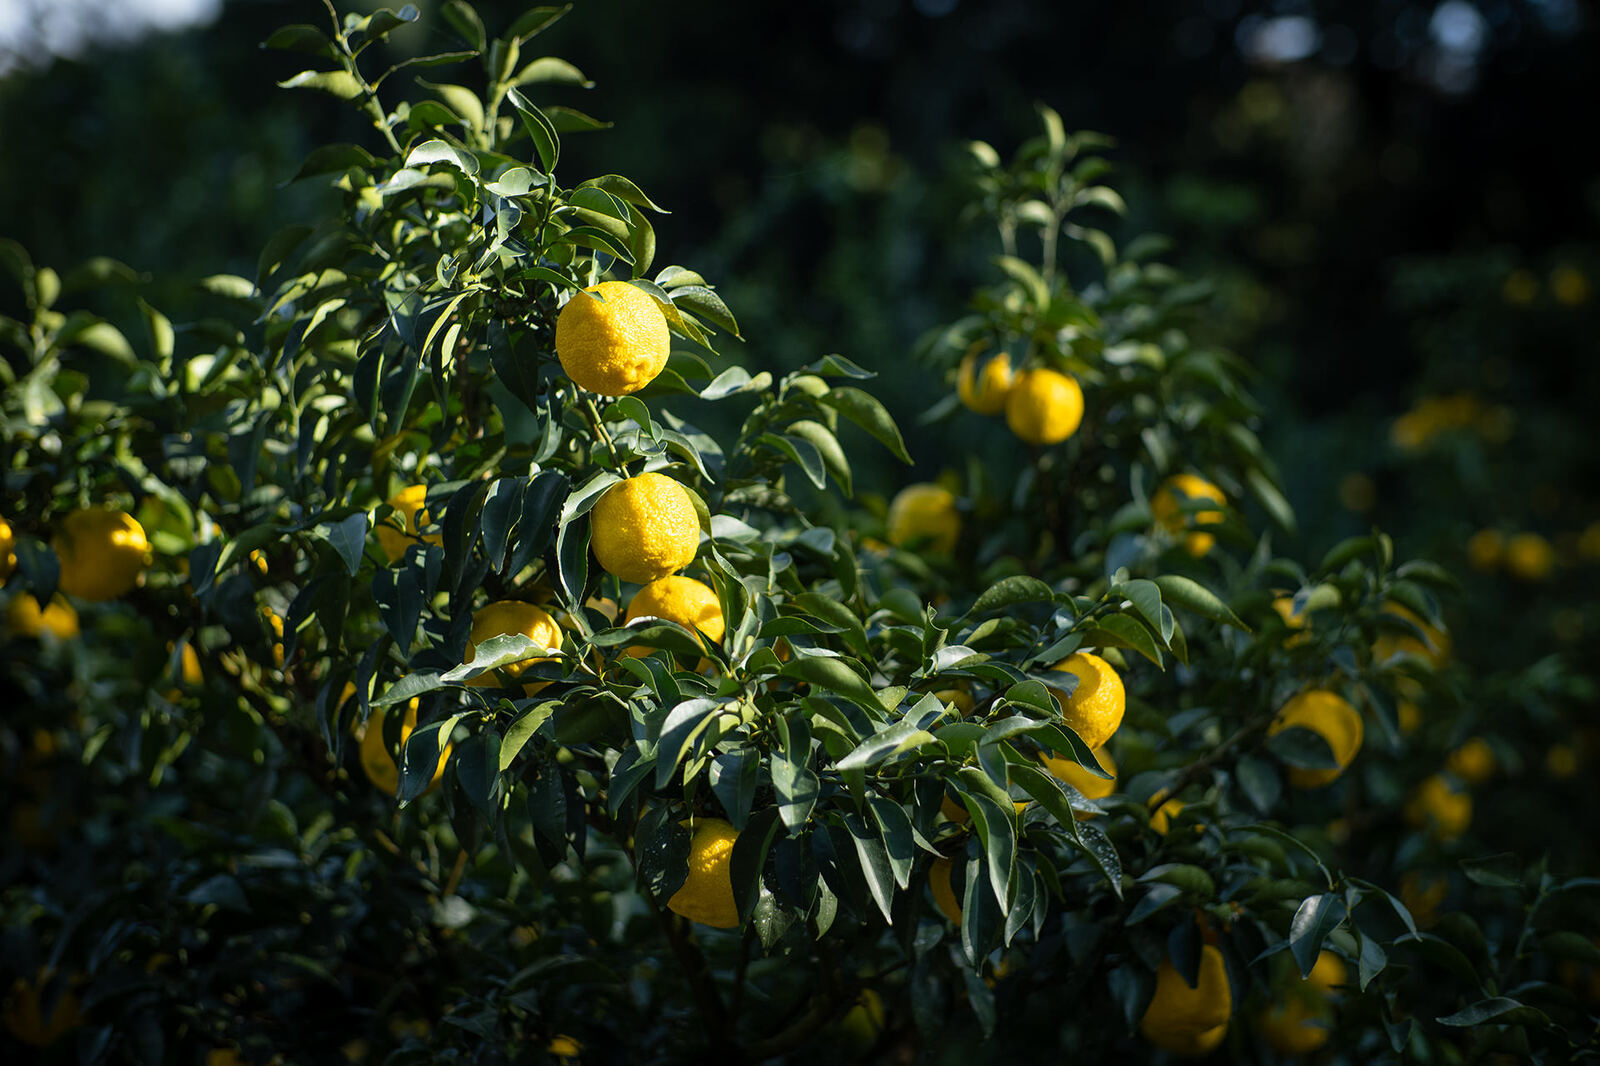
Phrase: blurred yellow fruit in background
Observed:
(924, 515)
(1166, 506)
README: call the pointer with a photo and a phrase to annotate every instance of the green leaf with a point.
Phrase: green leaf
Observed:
(900, 737)
(1191, 595)
(496, 652)
(535, 21)
(1124, 631)
(1010, 591)
(545, 139)
(623, 189)
(340, 83)
(1276, 506)
(1499, 1010)
(301, 38)
(349, 539)
(465, 21)
(1316, 917)
(833, 675)
(823, 440)
(522, 730)
(865, 411)
(439, 151)
(1146, 599)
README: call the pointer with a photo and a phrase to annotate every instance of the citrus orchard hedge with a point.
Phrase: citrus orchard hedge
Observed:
(399, 672)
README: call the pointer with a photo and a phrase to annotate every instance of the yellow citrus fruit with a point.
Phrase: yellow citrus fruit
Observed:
(1569, 286)
(613, 345)
(275, 621)
(1065, 769)
(1436, 649)
(863, 1023)
(410, 502)
(1161, 818)
(102, 553)
(926, 515)
(1520, 287)
(8, 550)
(1589, 541)
(1529, 557)
(503, 618)
(1187, 1020)
(1422, 894)
(379, 762)
(25, 619)
(1473, 761)
(1328, 973)
(1438, 806)
(1485, 548)
(953, 811)
(1166, 507)
(1561, 761)
(1284, 605)
(959, 698)
(707, 894)
(944, 893)
(24, 1011)
(679, 599)
(985, 390)
(1330, 717)
(565, 1050)
(645, 528)
(1044, 406)
(225, 1056)
(1296, 1024)
(1094, 710)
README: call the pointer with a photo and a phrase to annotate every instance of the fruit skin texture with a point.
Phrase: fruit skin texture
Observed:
(1044, 406)
(8, 553)
(707, 894)
(944, 893)
(1167, 510)
(1189, 1021)
(1064, 769)
(1094, 710)
(24, 1012)
(102, 553)
(1439, 807)
(504, 617)
(409, 502)
(984, 391)
(644, 528)
(25, 619)
(615, 345)
(378, 761)
(959, 698)
(1330, 717)
(690, 603)
(926, 513)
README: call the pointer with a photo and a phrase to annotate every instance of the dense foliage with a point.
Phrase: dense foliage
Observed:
(210, 856)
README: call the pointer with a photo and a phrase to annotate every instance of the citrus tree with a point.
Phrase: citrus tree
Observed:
(443, 652)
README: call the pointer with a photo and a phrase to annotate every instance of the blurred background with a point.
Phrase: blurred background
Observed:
(1398, 203)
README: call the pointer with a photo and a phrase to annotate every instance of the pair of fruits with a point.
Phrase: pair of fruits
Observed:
(1042, 406)
(102, 552)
